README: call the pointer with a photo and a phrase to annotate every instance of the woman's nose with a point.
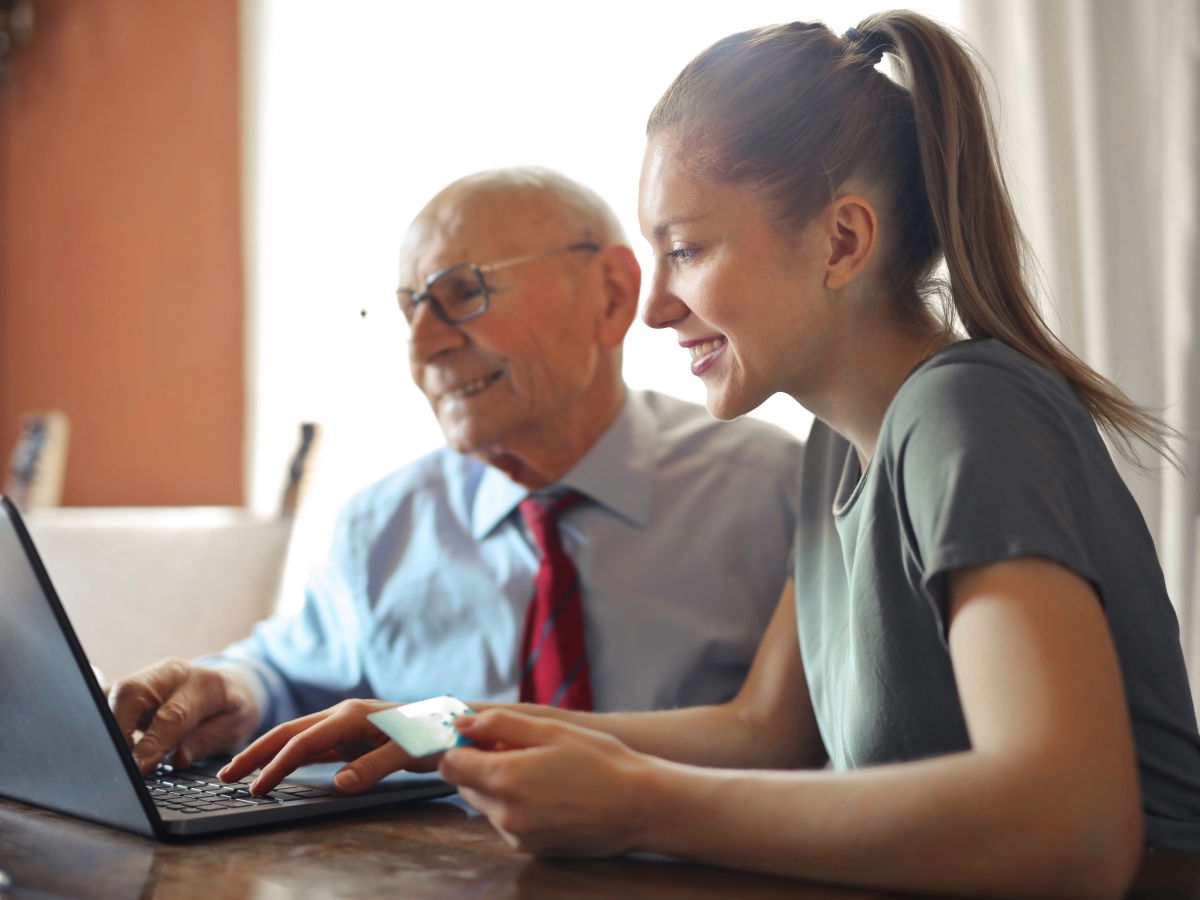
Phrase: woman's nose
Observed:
(663, 309)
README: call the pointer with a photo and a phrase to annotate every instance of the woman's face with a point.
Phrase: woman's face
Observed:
(749, 304)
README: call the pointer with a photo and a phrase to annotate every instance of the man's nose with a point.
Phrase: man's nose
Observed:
(663, 308)
(429, 336)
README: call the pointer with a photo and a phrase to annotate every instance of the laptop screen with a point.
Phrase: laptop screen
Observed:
(57, 747)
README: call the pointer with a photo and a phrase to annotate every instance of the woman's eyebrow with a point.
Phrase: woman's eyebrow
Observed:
(661, 228)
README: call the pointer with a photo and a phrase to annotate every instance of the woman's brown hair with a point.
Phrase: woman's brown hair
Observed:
(796, 111)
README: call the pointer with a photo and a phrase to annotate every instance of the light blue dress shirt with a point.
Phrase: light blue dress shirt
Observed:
(682, 554)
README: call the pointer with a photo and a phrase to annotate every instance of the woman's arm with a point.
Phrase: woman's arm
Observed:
(769, 724)
(1045, 803)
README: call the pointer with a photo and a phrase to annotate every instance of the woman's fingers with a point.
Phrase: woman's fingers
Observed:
(346, 724)
(369, 768)
(465, 767)
(267, 746)
(480, 770)
(510, 729)
(565, 789)
(492, 809)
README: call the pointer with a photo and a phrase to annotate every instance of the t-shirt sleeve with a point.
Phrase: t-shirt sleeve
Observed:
(987, 465)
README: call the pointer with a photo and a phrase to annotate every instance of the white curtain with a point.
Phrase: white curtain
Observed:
(1099, 114)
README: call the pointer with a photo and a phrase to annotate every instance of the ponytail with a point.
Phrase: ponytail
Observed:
(796, 111)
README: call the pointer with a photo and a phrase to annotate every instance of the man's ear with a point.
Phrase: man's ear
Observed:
(622, 283)
(853, 233)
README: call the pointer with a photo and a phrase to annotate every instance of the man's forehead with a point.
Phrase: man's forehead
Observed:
(481, 227)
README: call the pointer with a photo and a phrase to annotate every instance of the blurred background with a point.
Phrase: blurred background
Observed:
(201, 204)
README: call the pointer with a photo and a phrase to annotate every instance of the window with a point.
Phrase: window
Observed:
(359, 113)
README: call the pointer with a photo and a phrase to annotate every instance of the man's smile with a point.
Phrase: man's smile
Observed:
(470, 388)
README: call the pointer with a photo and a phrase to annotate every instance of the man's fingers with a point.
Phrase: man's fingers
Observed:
(513, 729)
(217, 734)
(133, 699)
(201, 696)
(129, 702)
(171, 724)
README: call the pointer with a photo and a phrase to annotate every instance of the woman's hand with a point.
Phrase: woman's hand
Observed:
(341, 732)
(549, 787)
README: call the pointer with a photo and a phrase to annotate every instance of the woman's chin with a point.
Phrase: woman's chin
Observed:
(726, 405)
(725, 401)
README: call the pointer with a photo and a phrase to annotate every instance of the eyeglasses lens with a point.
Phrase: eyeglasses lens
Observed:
(460, 293)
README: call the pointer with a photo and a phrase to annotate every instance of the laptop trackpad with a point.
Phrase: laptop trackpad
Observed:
(321, 776)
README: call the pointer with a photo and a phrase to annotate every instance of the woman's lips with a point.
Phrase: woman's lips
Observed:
(705, 352)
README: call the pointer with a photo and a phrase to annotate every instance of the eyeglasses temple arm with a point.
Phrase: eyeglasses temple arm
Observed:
(490, 267)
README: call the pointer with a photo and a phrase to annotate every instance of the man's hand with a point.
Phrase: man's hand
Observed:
(341, 732)
(181, 707)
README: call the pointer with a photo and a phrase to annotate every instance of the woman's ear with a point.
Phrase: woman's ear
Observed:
(622, 284)
(853, 232)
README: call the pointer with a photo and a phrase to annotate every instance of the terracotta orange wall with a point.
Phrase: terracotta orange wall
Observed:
(121, 288)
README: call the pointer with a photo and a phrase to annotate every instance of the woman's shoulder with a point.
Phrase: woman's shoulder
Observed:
(989, 365)
(984, 389)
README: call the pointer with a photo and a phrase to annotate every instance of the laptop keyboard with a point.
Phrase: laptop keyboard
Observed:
(193, 793)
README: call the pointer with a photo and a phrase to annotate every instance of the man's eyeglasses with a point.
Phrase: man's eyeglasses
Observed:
(459, 293)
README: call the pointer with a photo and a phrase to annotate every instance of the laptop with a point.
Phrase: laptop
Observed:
(61, 749)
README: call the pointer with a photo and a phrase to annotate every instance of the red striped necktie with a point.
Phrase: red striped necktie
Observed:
(553, 648)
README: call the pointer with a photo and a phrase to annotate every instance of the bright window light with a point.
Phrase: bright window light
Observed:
(364, 111)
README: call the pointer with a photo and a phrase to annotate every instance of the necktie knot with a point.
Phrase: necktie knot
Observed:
(541, 515)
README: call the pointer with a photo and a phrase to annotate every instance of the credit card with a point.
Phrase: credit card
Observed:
(425, 727)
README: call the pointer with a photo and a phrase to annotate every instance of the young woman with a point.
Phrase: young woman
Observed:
(977, 634)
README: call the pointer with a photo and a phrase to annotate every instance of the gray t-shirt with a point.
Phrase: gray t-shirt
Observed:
(983, 455)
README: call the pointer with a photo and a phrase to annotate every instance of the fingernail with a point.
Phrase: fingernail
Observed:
(346, 780)
(221, 774)
(254, 785)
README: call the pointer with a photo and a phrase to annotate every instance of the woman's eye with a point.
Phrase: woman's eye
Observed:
(682, 253)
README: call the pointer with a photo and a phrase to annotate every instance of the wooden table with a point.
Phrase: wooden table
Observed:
(437, 849)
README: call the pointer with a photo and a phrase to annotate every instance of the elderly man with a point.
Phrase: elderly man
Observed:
(576, 543)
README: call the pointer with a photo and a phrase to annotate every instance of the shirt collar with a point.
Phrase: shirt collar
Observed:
(617, 472)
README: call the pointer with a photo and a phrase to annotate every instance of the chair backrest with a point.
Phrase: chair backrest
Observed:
(140, 584)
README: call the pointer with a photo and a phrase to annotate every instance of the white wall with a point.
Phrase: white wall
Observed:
(362, 111)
